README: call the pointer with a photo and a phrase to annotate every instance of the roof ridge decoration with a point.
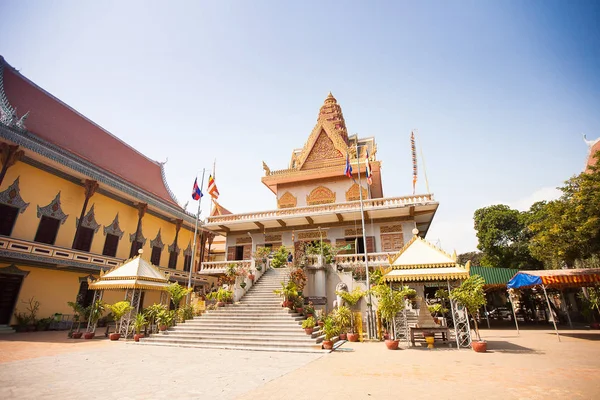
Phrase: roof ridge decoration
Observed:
(446, 260)
(12, 197)
(331, 121)
(114, 228)
(8, 113)
(89, 220)
(53, 210)
(164, 178)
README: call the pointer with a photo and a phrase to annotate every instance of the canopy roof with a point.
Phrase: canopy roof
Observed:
(494, 277)
(135, 273)
(419, 260)
(555, 278)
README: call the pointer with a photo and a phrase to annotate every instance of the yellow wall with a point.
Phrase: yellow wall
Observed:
(39, 188)
(53, 289)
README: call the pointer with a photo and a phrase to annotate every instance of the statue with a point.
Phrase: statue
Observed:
(340, 287)
(267, 169)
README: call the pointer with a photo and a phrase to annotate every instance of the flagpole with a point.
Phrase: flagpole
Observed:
(362, 218)
(195, 235)
(214, 175)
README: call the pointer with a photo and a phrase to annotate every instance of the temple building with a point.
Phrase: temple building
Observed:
(75, 200)
(315, 201)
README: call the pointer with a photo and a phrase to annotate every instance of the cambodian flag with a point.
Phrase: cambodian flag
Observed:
(196, 193)
(348, 171)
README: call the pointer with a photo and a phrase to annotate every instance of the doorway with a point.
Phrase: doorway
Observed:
(10, 285)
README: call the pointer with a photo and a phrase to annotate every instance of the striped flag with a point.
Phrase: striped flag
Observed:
(196, 193)
(348, 171)
(368, 169)
(413, 149)
(212, 188)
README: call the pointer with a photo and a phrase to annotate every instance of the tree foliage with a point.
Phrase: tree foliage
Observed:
(470, 294)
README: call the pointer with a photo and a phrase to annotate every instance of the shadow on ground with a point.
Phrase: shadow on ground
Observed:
(583, 336)
(501, 346)
(49, 337)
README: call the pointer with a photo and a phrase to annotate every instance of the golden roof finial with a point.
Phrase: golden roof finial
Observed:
(330, 98)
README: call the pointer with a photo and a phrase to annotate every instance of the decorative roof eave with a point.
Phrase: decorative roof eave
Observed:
(418, 266)
(164, 179)
(124, 284)
(452, 258)
(427, 277)
(50, 151)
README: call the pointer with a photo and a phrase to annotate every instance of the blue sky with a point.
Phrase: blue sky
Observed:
(500, 92)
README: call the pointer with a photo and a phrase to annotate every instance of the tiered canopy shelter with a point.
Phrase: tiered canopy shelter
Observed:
(421, 261)
(555, 279)
(133, 276)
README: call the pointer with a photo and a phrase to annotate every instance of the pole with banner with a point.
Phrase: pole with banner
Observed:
(195, 233)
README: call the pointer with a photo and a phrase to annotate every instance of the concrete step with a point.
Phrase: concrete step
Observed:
(234, 347)
(229, 342)
(302, 340)
(5, 329)
(294, 331)
(250, 313)
(258, 318)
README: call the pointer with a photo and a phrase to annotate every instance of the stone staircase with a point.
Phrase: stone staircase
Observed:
(256, 322)
(6, 329)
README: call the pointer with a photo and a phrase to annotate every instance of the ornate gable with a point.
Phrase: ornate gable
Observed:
(89, 220)
(12, 197)
(320, 195)
(352, 194)
(53, 210)
(114, 228)
(287, 201)
(323, 150)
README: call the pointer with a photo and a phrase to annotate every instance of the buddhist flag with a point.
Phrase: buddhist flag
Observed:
(368, 169)
(196, 193)
(348, 171)
(413, 149)
(212, 188)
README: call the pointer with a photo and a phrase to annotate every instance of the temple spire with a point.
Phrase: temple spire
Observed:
(332, 112)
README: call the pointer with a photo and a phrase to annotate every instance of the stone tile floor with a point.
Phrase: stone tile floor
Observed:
(532, 365)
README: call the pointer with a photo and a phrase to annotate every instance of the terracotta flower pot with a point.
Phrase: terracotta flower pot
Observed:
(220, 304)
(77, 335)
(251, 277)
(595, 325)
(138, 336)
(327, 344)
(88, 335)
(386, 336)
(162, 328)
(115, 336)
(479, 347)
(299, 310)
(310, 315)
(392, 344)
(343, 336)
(353, 337)
(321, 323)
(308, 331)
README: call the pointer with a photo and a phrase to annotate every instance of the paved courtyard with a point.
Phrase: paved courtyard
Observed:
(533, 365)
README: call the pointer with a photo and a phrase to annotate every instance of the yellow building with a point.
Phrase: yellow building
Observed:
(74, 199)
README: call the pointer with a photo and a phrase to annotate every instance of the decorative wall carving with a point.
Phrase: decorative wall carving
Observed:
(320, 195)
(89, 221)
(53, 210)
(140, 238)
(174, 248)
(390, 228)
(272, 238)
(114, 228)
(287, 201)
(353, 195)
(188, 249)
(323, 149)
(312, 235)
(243, 240)
(157, 242)
(353, 232)
(12, 197)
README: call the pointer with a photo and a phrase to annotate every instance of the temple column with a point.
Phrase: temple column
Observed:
(142, 208)
(211, 237)
(178, 223)
(10, 154)
(90, 188)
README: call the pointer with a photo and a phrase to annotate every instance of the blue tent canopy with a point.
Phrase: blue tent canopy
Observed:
(523, 280)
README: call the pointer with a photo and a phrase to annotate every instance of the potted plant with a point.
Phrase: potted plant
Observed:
(298, 303)
(151, 312)
(437, 310)
(343, 316)
(352, 298)
(280, 257)
(309, 310)
(321, 319)
(119, 309)
(330, 329)
(243, 284)
(289, 292)
(470, 295)
(590, 303)
(22, 322)
(96, 310)
(78, 312)
(221, 296)
(138, 324)
(165, 319)
(177, 293)
(308, 325)
(390, 303)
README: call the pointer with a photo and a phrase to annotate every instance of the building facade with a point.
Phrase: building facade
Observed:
(74, 200)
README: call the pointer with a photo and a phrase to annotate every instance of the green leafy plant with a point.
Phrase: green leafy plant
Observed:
(322, 248)
(470, 295)
(309, 323)
(139, 322)
(330, 328)
(177, 292)
(243, 285)
(151, 312)
(351, 297)
(165, 317)
(280, 257)
(43, 324)
(118, 310)
(343, 318)
(22, 321)
(185, 312)
(79, 312)
(288, 291)
(32, 308)
(96, 310)
(590, 303)
(309, 309)
(390, 302)
(437, 310)
(221, 295)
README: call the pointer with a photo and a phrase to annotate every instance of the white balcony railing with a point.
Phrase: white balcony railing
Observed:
(220, 267)
(371, 204)
(356, 260)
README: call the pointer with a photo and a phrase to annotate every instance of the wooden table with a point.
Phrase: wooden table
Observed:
(444, 330)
